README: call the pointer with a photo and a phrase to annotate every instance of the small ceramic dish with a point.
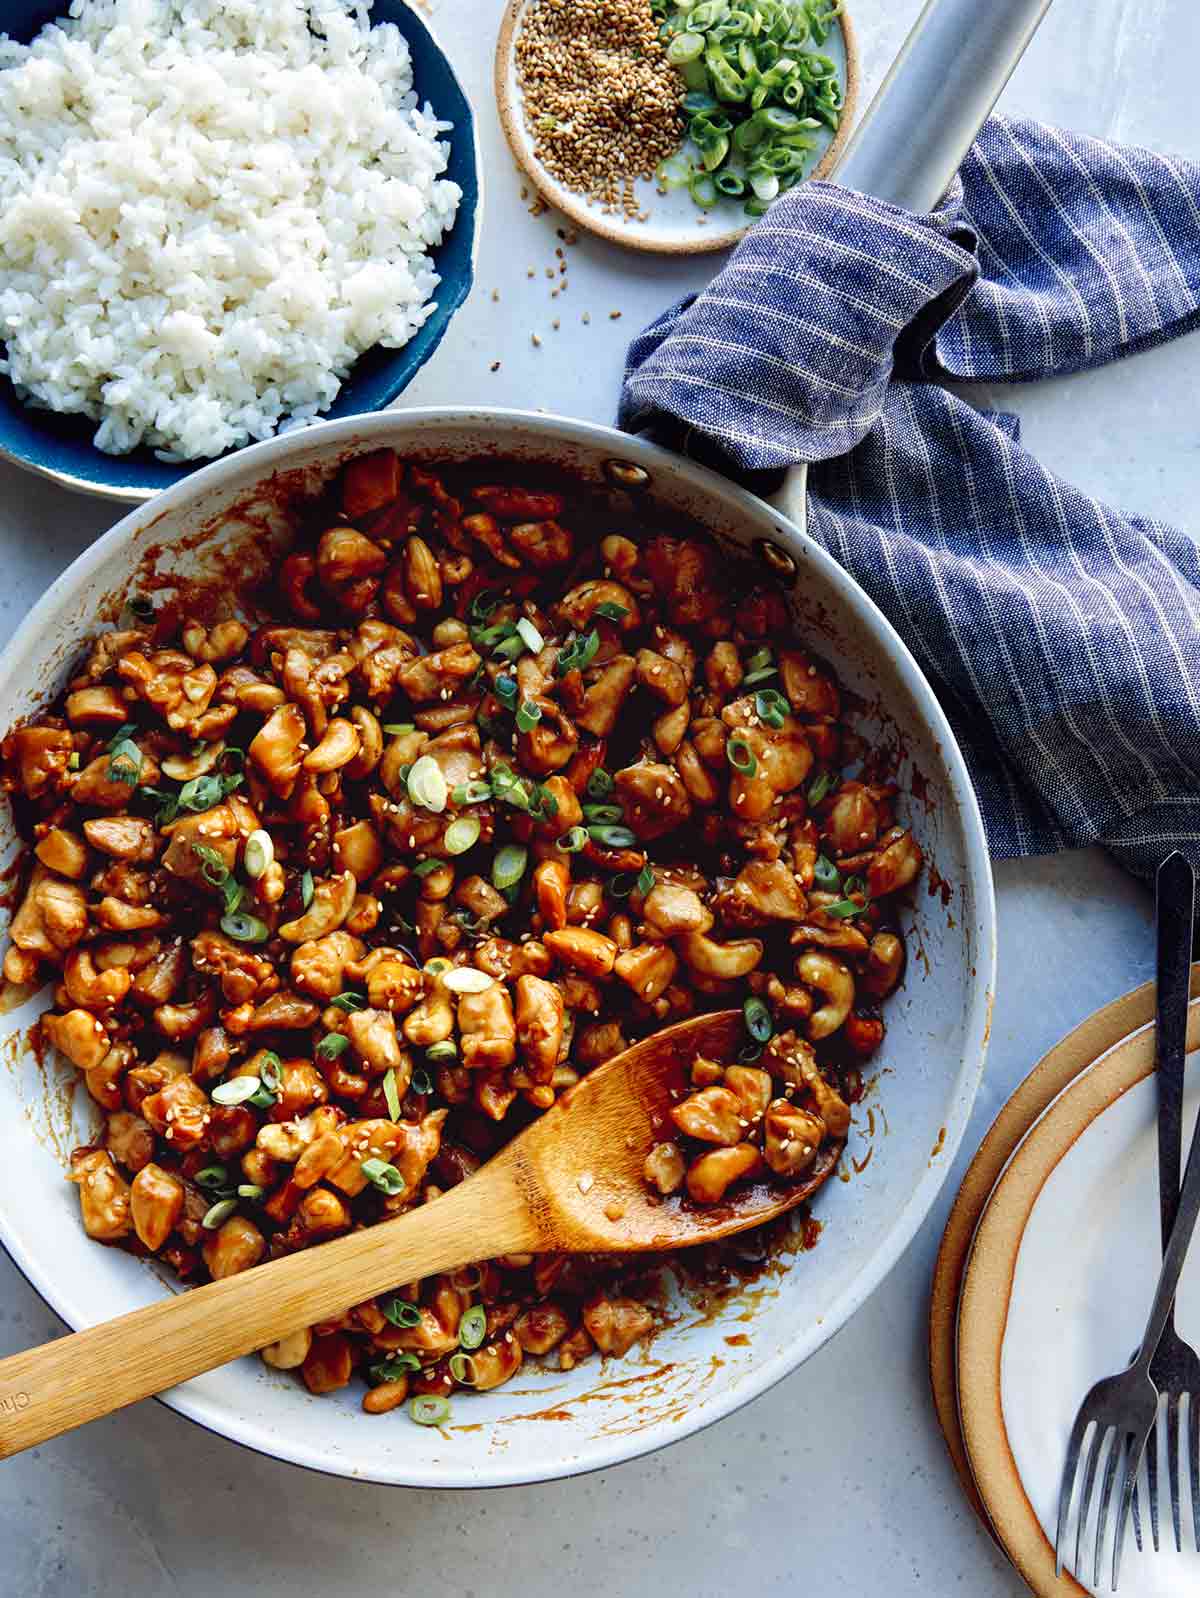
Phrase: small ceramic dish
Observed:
(675, 224)
(1055, 1295)
(61, 448)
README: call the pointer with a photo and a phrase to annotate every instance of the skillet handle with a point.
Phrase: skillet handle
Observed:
(948, 76)
(913, 136)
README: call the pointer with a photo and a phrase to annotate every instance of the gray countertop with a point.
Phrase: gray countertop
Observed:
(837, 1478)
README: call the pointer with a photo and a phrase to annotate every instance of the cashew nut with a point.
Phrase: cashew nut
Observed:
(331, 901)
(831, 978)
(724, 962)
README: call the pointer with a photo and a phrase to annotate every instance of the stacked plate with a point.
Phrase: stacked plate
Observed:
(1043, 1283)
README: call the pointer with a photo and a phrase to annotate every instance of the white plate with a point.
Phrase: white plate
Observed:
(675, 224)
(1056, 1295)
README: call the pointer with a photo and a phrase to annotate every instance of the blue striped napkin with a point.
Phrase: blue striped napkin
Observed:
(1062, 636)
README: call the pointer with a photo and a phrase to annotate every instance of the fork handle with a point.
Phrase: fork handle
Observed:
(1177, 876)
(1175, 906)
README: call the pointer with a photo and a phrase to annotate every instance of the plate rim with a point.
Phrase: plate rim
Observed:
(987, 1294)
(579, 211)
(1066, 1060)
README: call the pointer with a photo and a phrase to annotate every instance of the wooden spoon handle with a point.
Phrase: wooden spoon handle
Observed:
(78, 1378)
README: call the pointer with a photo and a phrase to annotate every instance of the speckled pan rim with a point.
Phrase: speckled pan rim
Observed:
(579, 211)
(987, 1293)
(1056, 1070)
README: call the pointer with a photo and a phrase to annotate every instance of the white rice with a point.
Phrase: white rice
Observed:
(208, 210)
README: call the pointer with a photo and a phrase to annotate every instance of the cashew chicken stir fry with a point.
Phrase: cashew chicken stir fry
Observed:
(336, 901)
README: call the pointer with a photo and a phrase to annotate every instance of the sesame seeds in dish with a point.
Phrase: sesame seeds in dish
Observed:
(600, 99)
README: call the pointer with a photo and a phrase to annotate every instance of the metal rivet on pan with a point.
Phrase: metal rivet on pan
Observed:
(626, 475)
(780, 562)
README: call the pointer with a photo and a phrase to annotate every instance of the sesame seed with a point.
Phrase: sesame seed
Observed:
(601, 101)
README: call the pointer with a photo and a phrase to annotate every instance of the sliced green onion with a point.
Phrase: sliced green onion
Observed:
(771, 706)
(759, 676)
(484, 603)
(427, 785)
(819, 787)
(509, 865)
(442, 1053)
(259, 854)
(472, 1329)
(307, 888)
(333, 1044)
(613, 837)
(214, 870)
(251, 1191)
(826, 875)
(533, 639)
(645, 880)
(232, 894)
(577, 653)
(243, 928)
(855, 885)
(392, 1369)
(399, 729)
(759, 1024)
(124, 762)
(685, 47)
(126, 731)
(729, 184)
(507, 691)
(401, 1313)
(422, 1082)
(429, 1411)
(218, 1214)
(749, 1052)
(759, 660)
(350, 1001)
(599, 784)
(391, 1092)
(675, 172)
(462, 834)
(511, 649)
(202, 793)
(703, 190)
(740, 756)
(528, 716)
(425, 868)
(843, 909)
(270, 1071)
(603, 813)
(383, 1176)
(622, 885)
(462, 1367)
(471, 793)
(236, 1090)
(573, 841)
(611, 611)
(211, 1176)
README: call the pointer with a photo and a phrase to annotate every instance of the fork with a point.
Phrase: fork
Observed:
(1117, 1416)
(1175, 1368)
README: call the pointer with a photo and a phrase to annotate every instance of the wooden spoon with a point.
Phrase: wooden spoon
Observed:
(571, 1182)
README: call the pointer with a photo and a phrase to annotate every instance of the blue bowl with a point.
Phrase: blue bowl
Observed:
(60, 447)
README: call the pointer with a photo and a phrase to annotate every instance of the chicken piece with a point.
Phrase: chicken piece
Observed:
(488, 1028)
(655, 799)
